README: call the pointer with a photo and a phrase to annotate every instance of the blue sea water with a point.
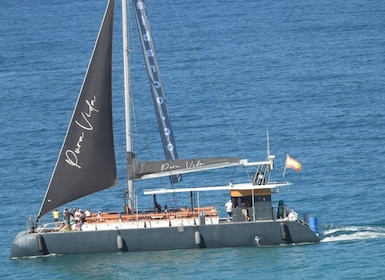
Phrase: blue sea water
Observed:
(311, 72)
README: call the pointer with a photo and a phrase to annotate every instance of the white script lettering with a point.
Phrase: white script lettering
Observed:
(86, 124)
(87, 116)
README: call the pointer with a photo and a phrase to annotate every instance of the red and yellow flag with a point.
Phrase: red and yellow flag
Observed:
(293, 164)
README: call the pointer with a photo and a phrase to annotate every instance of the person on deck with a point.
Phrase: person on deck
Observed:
(245, 213)
(66, 216)
(55, 214)
(229, 209)
(88, 213)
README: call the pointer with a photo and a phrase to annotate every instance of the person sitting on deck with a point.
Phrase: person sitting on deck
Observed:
(64, 227)
(99, 217)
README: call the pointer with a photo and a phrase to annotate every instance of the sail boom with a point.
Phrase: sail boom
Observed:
(188, 170)
(156, 169)
(242, 186)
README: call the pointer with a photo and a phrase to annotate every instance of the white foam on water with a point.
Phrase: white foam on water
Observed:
(353, 233)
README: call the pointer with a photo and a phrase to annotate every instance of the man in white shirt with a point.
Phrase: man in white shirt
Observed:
(229, 209)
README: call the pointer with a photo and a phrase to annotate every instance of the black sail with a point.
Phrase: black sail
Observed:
(156, 84)
(86, 163)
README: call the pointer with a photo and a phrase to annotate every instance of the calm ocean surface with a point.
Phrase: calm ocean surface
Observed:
(311, 72)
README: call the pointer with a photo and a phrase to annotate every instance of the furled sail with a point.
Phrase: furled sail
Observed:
(86, 163)
(155, 169)
(156, 84)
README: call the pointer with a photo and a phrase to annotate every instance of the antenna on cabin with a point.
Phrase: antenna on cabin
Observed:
(269, 156)
(268, 143)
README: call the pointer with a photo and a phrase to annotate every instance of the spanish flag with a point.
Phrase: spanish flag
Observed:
(292, 163)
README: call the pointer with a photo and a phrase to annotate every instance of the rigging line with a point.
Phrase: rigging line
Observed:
(139, 127)
(139, 130)
(216, 95)
(131, 46)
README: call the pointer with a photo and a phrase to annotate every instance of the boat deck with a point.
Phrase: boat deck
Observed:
(181, 213)
(147, 219)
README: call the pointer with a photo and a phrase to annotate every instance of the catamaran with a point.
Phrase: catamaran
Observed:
(86, 165)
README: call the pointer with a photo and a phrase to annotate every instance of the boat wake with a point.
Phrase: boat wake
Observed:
(348, 233)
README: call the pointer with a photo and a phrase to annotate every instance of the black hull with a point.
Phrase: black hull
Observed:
(243, 234)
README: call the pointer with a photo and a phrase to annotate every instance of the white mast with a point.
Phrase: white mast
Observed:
(268, 143)
(127, 97)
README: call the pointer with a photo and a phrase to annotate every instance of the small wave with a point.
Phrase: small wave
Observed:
(346, 233)
(37, 257)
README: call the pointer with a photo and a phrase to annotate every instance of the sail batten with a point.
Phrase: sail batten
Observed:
(86, 163)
